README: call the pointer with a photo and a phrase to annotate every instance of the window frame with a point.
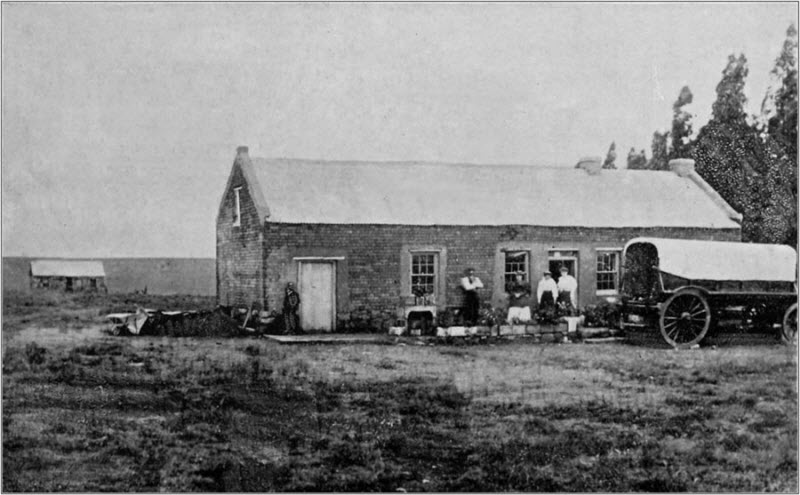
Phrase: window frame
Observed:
(617, 252)
(508, 276)
(237, 207)
(435, 275)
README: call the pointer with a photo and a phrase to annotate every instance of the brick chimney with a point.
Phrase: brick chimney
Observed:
(592, 164)
(242, 151)
(682, 166)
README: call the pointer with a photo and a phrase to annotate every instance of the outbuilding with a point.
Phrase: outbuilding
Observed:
(394, 238)
(68, 275)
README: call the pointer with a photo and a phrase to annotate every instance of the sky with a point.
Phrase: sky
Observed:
(120, 121)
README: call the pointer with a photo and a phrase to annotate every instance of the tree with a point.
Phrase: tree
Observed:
(611, 156)
(779, 108)
(681, 126)
(660, 150)
(631, 163)
(751, 173)
(779, 192)
(637, 161)
(724, 147)
(729, 106)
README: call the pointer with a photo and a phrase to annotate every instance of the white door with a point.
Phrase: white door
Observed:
(317, 288)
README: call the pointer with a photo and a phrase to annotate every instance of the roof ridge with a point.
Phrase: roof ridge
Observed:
(408, 162)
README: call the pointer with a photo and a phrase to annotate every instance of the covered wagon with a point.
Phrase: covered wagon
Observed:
(684, 288)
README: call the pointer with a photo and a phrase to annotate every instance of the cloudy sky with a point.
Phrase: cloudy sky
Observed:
(120, 121)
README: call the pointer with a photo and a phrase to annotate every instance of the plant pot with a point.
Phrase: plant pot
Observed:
(457, 331)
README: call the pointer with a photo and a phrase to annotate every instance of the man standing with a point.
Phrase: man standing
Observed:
(567, 290)
(291, 302)
(470, 283)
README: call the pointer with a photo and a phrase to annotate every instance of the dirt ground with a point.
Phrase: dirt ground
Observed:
(85, 411)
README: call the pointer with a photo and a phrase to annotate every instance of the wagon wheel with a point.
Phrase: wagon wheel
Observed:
(685, 318)
(789, 328)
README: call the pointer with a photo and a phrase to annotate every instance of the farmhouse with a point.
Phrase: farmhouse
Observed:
(363, 236)
(68, 275)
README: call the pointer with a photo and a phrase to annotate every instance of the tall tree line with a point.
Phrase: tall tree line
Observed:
(750, 160)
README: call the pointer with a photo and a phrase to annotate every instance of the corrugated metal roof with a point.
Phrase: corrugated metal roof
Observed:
(415, 193)
(714, 260)
(67, 268)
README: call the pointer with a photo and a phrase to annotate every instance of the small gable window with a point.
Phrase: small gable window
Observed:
(237, 209)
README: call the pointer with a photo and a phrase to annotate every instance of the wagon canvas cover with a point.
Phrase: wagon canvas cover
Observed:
(723, 261)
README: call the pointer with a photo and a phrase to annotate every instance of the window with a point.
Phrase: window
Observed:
(516, 261)
(607, 272)
(423, 273)
(237, 210)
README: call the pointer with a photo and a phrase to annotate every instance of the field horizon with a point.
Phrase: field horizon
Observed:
(163, 276)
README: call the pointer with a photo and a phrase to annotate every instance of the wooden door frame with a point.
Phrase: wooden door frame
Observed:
(329, 260)
(574, 258)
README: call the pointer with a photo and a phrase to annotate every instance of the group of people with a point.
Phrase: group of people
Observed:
(552, 297)
(557, 298)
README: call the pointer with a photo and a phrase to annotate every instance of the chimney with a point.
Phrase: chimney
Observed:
(682, 166)
(592, 164)
(242, 151)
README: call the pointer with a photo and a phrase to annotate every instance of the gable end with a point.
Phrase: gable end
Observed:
(254, 189)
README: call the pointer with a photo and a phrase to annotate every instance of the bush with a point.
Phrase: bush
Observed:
(604, 314)
(35, 354)
(490, 316)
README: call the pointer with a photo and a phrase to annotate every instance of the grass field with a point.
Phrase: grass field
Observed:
(83, 411)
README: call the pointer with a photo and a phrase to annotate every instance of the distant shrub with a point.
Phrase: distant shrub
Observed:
(35, 354)
(662, 484)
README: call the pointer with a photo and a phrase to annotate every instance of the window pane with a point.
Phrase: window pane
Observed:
(516, 261)
(607, 270)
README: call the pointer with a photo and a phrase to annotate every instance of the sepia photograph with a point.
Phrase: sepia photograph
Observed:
(399, 247)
